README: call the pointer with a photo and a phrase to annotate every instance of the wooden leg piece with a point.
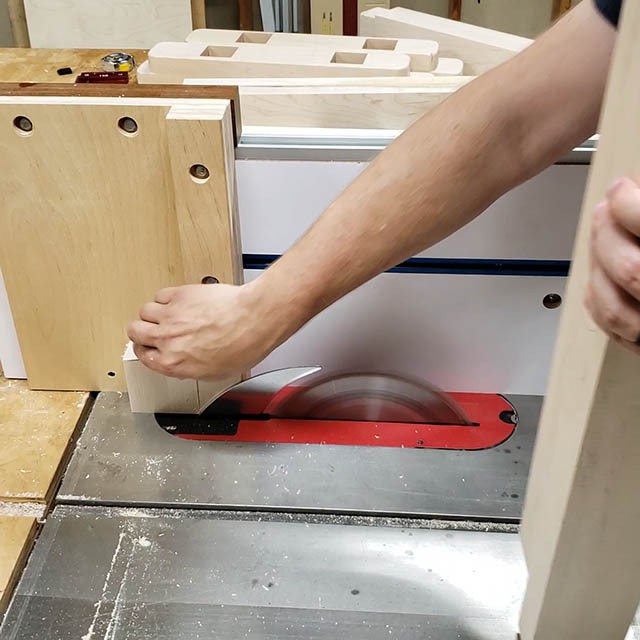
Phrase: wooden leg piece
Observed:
(582, 512)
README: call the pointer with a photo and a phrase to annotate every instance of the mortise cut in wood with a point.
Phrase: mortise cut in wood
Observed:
(98, 202)
(198, 59)
(582, 512)
(423, 54)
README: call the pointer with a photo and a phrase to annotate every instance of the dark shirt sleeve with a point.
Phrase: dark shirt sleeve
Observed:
(610, 9)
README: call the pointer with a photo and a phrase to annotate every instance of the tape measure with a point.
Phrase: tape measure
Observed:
(118, 61)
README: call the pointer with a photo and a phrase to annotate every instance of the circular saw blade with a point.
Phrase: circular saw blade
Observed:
(371, 397)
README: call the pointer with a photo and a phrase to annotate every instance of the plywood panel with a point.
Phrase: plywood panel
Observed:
(582, 514)
(204, 188)
(16, 536)
(99, 205)
(115, 24)
(37, 428)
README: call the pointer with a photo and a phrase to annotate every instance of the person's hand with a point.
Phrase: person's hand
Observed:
(613, 291)
(202, 331)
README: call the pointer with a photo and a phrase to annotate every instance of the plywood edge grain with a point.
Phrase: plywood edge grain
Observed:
(17, 534)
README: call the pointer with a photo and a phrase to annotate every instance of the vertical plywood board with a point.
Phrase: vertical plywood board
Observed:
(89, 214)
(204, 189)
(123, 24)
(582, 514)
(16, 535)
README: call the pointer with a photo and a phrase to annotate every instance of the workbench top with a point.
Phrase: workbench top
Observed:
(41, 65)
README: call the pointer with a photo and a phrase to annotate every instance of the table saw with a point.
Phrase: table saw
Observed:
(288, 522)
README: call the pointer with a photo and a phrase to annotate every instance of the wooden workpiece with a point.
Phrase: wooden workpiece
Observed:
(582, 512)
(150, 392)
(422, 53)
(479, 48)
(16, 536)
(197, 59)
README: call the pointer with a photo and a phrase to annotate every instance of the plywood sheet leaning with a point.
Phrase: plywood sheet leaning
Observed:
(479, 48)
(123, 24)
(92, 227)
(422, 53)
(198, 60)
(37, 430)
(582, 512)
(16, 536)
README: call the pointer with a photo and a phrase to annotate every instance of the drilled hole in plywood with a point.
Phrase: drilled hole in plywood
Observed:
(383, 44)
(111, 374)
(199, 173)
(349, 57)
(256, 37)
(128, 126)
(23, 126)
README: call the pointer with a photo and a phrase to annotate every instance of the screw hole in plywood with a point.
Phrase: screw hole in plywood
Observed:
(552, 300)
(199, 173)
(111, 374)
(23, 126)
(128, 126)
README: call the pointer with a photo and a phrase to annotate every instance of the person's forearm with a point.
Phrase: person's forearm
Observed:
(441, 173)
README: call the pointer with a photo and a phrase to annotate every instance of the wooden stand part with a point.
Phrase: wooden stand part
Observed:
(480, 49)
(582, 512)
(197, 59)
(94, 225)
(422, 53)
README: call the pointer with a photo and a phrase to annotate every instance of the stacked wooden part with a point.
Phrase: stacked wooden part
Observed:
(582, 512)
(107, 200)
(290, 84)
(480, 49)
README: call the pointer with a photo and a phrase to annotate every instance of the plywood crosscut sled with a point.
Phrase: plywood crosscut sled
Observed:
(104, 202)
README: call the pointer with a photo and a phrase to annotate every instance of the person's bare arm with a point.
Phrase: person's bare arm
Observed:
(447, 168)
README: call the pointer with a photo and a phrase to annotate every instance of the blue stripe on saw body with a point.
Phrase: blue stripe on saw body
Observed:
(456, 266)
